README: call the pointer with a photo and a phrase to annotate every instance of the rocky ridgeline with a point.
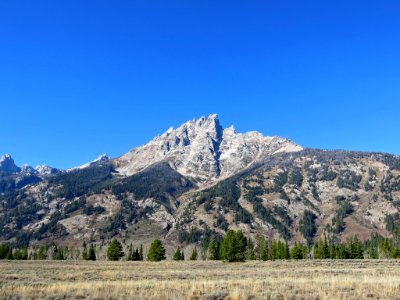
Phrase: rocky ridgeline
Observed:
(202, 179)
(204, 150)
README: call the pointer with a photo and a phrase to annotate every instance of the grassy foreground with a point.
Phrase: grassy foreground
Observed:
(309, 279)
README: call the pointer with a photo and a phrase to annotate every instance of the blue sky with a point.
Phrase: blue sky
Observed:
(82, 78)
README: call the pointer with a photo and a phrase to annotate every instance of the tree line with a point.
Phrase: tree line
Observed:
(233, 247)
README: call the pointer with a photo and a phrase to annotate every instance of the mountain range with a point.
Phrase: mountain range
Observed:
(202, 179)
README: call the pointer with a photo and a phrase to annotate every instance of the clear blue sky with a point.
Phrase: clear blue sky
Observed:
(82, 78)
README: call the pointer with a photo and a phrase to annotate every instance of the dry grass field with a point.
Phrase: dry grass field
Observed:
(200, 280)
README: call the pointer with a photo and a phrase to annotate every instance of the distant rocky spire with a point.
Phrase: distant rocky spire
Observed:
(7, 165)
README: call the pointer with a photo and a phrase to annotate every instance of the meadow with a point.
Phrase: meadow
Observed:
(305, 279)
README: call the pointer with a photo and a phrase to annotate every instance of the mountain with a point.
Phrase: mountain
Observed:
(203, 150)
(7, 165)
(14, 178)
(201, 179)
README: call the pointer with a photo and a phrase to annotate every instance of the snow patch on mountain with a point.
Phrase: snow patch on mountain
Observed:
(101, 158)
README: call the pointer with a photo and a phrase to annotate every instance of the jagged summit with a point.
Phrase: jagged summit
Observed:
(46, 170)
(7, 165)
(203, 149)
(102, 158)
(5, 157)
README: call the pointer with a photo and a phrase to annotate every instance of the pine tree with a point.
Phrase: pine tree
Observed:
(250, 254)
(141, 253)
(240, 246)
(228, 246)
(4, 249)
(42, 254)
(233, 247)
(194, 254)
(34, 255)
(298, 251)
(273, 250)
(156, 251)
(114, 251)
(286, 253)
(177, 254)
(321, 249)
(84, 251)
(130, 253)
(332, 250)
(356, 249)
(262, 248)
(9, 254)
(92, 253)
(17, 254)
(325, 248)
(136, 255)
(58, 254)
(213, 249)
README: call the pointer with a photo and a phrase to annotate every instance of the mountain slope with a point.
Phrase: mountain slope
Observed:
(201, 179)
(301, 196)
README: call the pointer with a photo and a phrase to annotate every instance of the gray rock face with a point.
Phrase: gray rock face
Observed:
(7, 165)
(44, 170)
(27, 170)
(203, 149)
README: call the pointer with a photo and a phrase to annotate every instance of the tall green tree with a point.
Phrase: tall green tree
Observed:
(213, 249)
(356, 248)
(136, 255)
(4, 251)
(114, 250)
(129, 257)
(141, 253)
(42, 254)
(92, 253)
(262, 248)
(233, 247)
(250, 254)
(194, 254)
(156, 251)
(286, 252)
(178, 254)
(240, 246)
(298, 251)
(84, 251)
(58, 253)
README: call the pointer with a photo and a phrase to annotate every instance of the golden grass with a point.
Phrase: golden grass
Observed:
(312, 279)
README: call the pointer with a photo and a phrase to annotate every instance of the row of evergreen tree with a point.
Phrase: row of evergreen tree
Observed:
(233, 247)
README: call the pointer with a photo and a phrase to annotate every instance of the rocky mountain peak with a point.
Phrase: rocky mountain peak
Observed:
(27, 170)
(99, 160)
(5, 157)
(103, 157)
(7, 165)
(45, 170)
(203, 149)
